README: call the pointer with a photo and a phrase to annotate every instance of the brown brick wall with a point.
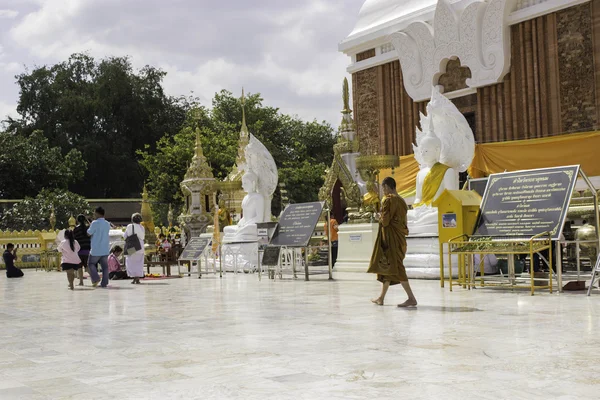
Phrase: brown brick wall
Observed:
(365, 55)
(366, 110)
(576, 69)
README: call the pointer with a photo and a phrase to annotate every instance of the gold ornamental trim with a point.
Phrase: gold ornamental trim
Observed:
(377, 162)
(229, 186)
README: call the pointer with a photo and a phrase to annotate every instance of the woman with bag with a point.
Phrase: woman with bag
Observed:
(134, 248)
(387, 260)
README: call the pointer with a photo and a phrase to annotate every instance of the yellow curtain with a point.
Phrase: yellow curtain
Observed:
(490, 158)
(569, 149)
(405, 175)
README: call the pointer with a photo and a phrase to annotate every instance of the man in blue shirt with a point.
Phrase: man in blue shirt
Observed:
(99, 230)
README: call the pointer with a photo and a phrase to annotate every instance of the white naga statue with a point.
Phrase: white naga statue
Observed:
(445, 147)
(259, 182)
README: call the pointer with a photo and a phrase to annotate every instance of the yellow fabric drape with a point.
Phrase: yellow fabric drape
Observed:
(405, 176)
(569, 149)
(491, 158)
(432, 183)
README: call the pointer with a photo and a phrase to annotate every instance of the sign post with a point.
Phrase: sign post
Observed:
(296, 227)
(193, 251)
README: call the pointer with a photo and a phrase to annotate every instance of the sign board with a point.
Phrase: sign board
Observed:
(478, 185)
(356, 237)
(271, 256)
(527, 203)
(194, 249)
(297, 224)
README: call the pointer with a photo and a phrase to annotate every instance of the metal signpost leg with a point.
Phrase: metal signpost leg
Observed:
(306, 250)
(329, 257)
(595, 270)
(559, 266)
(220, 261)
(258, 264)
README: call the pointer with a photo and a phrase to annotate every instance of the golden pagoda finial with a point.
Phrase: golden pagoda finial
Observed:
(244, 127)
(145, 193)
(199, 151)
(346, 97)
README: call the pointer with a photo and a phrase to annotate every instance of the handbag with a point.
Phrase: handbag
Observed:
(132, 243)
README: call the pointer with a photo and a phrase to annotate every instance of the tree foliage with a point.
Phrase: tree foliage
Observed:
(34, 213)
(104, 109)
(302, 150)
(28, 164)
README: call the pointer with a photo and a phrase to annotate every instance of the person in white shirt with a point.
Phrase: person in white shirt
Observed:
(135, 262)
(490, 264)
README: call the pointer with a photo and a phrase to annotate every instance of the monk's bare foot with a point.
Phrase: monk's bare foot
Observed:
(408, 303)
(377, 301)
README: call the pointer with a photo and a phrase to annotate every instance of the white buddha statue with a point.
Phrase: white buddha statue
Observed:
(440, 157)
(253, 208)
(432, 179)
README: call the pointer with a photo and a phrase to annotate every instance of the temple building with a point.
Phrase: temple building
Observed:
(524, 73)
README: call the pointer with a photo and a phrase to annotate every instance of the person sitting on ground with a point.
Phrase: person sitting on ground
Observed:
(10, 255)
(490, 264)
(115, 270)
(70, 260)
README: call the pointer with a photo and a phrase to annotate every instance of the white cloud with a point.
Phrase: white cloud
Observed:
(9, 14)
(287, 51)
(7, 110)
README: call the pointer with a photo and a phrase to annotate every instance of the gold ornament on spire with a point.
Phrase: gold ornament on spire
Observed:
(199, 168)
(346, 97)
(236, 174)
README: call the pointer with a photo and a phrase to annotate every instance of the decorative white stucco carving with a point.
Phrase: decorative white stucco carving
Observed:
(479, 36)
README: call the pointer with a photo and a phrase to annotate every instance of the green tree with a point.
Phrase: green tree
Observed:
(104, 109)
(28, 164)
(301, 150)
(34, 213)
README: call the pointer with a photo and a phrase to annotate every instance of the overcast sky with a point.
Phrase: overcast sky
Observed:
(286, 50)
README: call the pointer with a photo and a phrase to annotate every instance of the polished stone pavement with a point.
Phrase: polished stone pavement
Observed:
(238, 338)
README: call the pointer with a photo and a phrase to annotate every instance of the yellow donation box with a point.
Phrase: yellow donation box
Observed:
(457, 215)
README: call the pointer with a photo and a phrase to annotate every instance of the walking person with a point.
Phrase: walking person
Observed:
(80, 234)
(135, 262)
(387, 260)
(99, 231)
(9, 256)
(70, 261)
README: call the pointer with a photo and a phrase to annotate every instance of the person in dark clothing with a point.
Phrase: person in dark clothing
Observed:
(80, 233)
(10, 254)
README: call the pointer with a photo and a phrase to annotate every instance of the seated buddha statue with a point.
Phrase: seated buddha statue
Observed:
(253, 206)
(371, 201)
(224, 215)
(432, 179)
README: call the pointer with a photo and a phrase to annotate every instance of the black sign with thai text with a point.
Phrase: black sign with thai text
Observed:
(194, 249)
(297, 224)
(271, 256)
(527, 203)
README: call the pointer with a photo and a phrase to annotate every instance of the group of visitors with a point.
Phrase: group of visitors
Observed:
(89, 246)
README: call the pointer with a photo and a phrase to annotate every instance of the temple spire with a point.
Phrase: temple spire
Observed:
(346, 97)
(244, 130)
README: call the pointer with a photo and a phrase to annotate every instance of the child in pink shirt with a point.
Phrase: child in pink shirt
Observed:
(70, 261)
(114, 265)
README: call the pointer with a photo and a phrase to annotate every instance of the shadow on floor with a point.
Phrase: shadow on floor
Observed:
(442, 309)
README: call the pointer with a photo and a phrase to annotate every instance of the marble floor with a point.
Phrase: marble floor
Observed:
(238, 338)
